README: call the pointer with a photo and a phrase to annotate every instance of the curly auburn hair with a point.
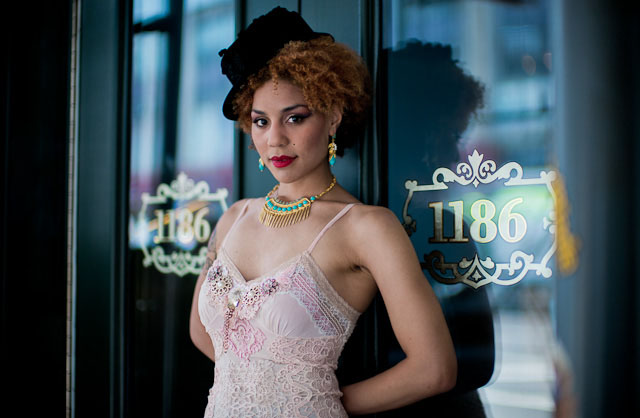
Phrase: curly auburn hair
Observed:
(329, 73)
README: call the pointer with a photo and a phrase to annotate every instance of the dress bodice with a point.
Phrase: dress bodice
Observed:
(277, 338)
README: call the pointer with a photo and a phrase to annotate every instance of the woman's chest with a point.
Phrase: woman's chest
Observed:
(291, 302)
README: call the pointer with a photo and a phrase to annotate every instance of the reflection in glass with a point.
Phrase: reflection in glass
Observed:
(205, 138)
(180, 140)
(505, 47)
(148, 99)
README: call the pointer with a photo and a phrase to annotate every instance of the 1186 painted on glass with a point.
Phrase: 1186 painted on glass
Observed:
(511, 225)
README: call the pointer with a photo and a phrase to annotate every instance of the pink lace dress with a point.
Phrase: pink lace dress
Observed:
(277, 338)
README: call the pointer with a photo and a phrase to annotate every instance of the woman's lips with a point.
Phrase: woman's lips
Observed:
(282, 160)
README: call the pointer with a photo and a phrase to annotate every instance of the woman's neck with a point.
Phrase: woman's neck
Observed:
(310, 185)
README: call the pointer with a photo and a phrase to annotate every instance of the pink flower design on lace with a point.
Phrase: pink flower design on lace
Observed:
(244, 339)
(269, 286)
(219, 282)
(253, 297)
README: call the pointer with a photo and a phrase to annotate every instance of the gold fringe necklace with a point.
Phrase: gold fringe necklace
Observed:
(276, 213)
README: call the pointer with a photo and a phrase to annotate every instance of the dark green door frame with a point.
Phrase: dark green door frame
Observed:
(102, 208)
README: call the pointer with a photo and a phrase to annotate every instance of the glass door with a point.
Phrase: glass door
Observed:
(181, 181)
(465, 104)
(469, 104)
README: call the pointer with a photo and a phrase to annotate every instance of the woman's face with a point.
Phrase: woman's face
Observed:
(290, 138)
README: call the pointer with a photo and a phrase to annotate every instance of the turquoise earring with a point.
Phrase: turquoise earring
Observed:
(260, 164)
(332, 151)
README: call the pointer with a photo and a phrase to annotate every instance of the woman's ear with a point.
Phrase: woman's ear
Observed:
(335, 119)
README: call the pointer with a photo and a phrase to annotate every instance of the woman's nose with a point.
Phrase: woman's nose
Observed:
(277, 137)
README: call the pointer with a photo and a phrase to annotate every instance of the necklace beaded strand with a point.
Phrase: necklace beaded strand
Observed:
(276, 213)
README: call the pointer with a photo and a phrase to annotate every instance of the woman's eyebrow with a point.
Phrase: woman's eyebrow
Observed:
(286, 109)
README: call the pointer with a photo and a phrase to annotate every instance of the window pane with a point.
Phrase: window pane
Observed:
(180, 184)
(444, 60)
(205, 137)
(149, 9)
(148, 97)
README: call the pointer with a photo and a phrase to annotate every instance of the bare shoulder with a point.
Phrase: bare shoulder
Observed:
(368, 221)
(232, 213)
(382, 247)
(374, 230)
(228, 217)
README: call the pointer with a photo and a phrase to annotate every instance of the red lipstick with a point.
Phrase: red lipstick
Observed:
(281, 161)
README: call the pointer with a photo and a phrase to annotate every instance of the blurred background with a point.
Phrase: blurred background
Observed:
(505, 136)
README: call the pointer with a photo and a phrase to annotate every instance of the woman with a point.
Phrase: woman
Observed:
(288, 275)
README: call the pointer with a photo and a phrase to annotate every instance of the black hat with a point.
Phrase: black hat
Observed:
(257, 44)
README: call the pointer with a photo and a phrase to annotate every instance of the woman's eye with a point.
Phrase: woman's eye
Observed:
(297, 118)
(260, 122)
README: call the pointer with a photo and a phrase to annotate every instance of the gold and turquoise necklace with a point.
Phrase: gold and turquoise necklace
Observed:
(276, 213)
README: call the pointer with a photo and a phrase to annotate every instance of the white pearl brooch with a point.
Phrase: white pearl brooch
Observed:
(219, 280)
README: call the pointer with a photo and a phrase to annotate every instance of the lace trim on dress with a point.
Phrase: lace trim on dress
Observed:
(261, 388)
(319, 351)
(325, 316)
(315, 273)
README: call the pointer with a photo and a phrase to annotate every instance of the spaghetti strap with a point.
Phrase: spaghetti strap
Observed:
(329, 225)
(244, 208)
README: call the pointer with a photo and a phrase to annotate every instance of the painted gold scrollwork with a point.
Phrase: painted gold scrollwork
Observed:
(179, 262)
(479, 272)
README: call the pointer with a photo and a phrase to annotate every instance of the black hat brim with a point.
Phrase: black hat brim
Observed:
(227, 106)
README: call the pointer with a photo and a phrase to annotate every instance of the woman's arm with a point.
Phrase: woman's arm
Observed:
(416, 318)
(197, 331)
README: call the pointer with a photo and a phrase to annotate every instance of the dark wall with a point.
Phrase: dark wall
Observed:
(599, 147)
(34, 106)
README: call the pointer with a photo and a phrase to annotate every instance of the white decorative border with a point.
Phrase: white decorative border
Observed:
(479, 272)
(182, 188)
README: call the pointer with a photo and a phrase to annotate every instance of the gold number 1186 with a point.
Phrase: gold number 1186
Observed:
(512, 226)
